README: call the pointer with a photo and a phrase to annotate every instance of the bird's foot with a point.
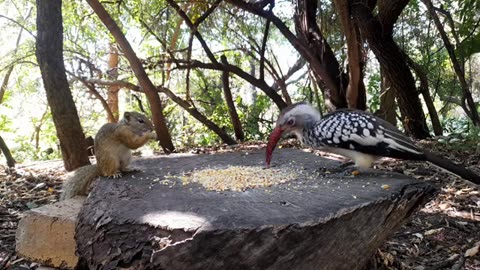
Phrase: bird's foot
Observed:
(341, 170)
(356, 172)
(346, 164)
(349, 168)
(351, 172)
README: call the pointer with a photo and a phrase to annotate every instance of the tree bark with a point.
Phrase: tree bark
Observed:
(377, 30)
(237, 125)
(387, 101)
(112, 91)
(467, 94)
(356, 93)
(49, 52)
(8, 156)
(142, 77)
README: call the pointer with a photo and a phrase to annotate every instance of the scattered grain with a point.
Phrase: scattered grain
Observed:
(239, 178)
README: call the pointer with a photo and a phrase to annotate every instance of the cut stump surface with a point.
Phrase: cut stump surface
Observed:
(321, 220)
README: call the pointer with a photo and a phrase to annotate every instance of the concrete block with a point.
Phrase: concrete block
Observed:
(46, 234)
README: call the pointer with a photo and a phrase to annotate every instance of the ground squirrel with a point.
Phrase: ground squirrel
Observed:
(113, 144)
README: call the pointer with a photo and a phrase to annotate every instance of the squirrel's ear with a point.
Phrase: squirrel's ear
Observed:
(127, 115)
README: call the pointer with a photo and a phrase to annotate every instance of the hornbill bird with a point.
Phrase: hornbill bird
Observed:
(355, 134)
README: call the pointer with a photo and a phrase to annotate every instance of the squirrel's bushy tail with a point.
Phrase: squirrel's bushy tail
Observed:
(79, 181)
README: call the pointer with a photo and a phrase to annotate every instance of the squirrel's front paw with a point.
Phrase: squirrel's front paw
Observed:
(152, 135)
(116, 175)
(133, 169)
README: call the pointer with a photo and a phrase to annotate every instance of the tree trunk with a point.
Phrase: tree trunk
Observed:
(356, 94)
(320, 56)
(422, 76)
(8, 156)
(377, 30)
(112, 92)
(49, 52)
(142, 77)
(388, 106)
(237, 125)
(467, 94)
(302, 225)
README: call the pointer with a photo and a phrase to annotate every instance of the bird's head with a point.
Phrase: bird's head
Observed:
(291, 120)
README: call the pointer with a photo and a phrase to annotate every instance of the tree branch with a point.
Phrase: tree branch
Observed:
(293, 69)
(262, 85)
(6, 151)
(19, 24)
(197, 115)
(162, 42)
(207, 12)
(263, 47)
(119, 83)
(91, 88)
(389, 11)
(194, 30)
(3, 87)
(451, 23)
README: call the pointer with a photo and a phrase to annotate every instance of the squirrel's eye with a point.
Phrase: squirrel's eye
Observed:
(290, 122)
(141, 121)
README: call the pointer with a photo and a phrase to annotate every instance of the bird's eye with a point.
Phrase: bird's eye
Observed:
(291, 121)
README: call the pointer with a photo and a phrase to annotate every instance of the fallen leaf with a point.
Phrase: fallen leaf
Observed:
(472, 251)
(430, 232)
(418, 235)
(40, 185)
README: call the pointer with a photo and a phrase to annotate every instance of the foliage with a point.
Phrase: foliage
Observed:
(373, 89)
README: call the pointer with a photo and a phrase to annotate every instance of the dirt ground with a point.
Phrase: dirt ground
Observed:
(445, 234)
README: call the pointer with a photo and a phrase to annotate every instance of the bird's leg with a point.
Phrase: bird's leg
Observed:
(345, 167)
(346, 164)
(349, 168)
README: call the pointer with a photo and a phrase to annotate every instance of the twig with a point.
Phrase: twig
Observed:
(6, 260)
(445, 263)
(459, 264)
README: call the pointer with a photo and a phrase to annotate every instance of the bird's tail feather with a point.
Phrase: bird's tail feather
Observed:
(453, 168)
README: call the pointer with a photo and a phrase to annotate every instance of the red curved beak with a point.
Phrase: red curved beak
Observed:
(272, 143)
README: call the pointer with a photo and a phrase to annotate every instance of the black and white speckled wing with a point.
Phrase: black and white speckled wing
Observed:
(362, 132)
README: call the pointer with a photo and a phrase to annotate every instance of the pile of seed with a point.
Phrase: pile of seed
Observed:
(240, 178)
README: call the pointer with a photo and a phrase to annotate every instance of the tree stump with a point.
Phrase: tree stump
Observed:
(329, 221)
